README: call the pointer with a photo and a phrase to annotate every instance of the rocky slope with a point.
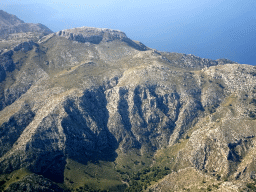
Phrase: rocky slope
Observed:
(91, 109)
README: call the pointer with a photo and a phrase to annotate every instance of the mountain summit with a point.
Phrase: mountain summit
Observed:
(89, 109)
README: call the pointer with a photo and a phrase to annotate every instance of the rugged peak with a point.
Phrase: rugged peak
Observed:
(97, 35)
(92, 31)
(92, 35)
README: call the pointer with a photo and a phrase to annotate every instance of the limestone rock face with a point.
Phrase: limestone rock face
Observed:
(92, 95)
(92, 35)
(97, 35)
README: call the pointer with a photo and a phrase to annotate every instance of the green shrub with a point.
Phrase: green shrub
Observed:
(251, 186)
(2, 186)
(251, 114)
(141, 180)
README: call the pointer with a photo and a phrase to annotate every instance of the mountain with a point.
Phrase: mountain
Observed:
(89, 109)
(13, 30)
(7, 19)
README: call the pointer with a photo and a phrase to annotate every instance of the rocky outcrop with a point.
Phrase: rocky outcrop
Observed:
(98, 35)
(91, 35)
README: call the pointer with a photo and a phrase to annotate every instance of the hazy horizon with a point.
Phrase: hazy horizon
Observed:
(208, 29)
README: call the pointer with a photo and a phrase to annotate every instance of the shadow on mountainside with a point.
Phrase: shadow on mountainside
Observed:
(10, 131)
(85, 127)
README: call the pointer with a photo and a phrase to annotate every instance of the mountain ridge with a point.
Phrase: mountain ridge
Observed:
(11, 25)
(91, 109)
(8, 19)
